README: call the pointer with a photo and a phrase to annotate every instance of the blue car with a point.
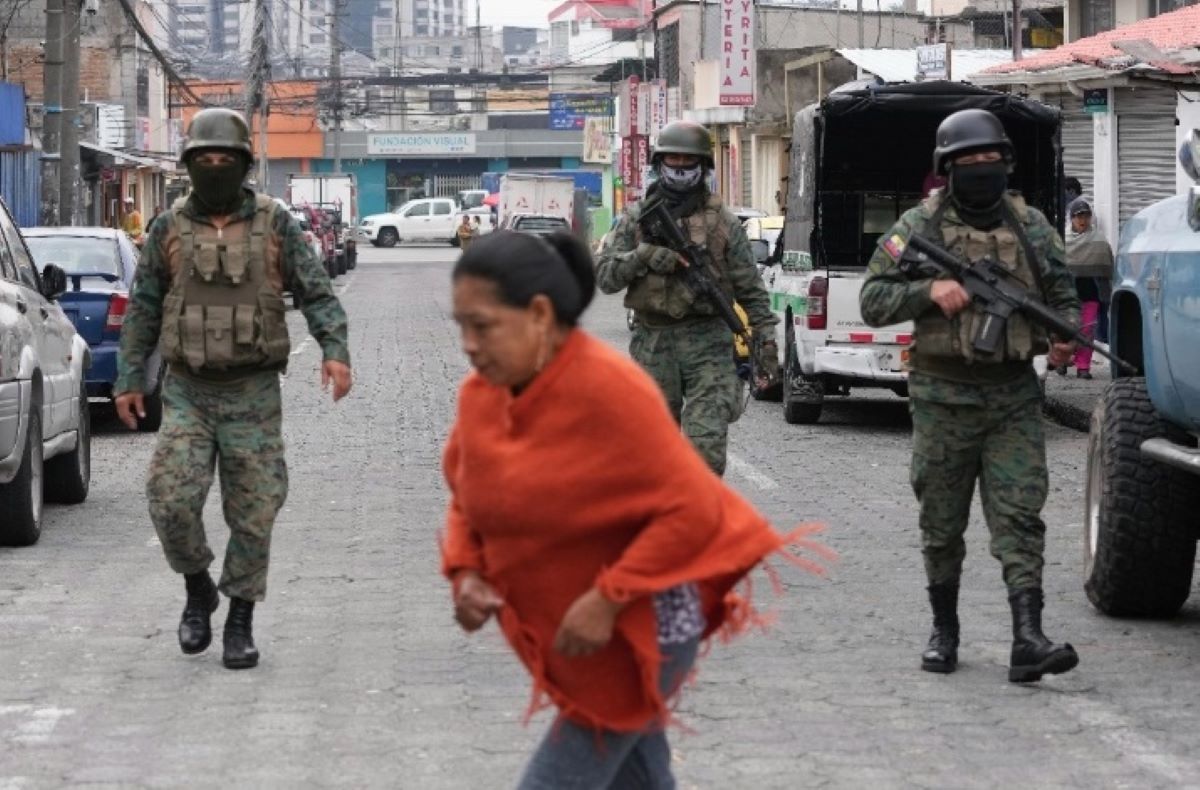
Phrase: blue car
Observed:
(99, 264)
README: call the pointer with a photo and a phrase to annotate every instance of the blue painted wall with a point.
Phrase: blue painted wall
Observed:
(371, 177)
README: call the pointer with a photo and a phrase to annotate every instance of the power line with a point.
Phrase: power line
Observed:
(158, 55)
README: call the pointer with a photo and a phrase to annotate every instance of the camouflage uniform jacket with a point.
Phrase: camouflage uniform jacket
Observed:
(618, 267)
(302, 274)
(888, 296)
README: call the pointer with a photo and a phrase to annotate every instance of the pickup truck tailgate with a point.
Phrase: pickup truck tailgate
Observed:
(850, 345)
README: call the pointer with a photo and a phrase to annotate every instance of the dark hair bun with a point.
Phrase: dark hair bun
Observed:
(579, 261)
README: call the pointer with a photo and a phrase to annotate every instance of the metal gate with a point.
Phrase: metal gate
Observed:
(1078, 143)
(21, 184)
(1145, 147)
(449, 186)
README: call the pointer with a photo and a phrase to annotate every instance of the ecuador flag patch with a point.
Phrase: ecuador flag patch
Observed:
(894, 246)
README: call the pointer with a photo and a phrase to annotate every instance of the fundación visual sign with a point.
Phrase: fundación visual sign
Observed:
(737, 53)
(423, 144)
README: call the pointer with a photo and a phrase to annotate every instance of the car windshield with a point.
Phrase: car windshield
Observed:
(544, 225)
(77, 255)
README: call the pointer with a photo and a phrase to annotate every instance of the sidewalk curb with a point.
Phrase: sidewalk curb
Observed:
(1066, 414)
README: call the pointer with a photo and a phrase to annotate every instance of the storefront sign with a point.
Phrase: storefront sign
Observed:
(411, 144)
(571, 110)
(658, 108)
(737, 53)
(627, 104)
(933, 62)
(597, 146)
(1095, 100)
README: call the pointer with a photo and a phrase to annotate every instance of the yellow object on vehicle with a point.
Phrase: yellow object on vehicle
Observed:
(741, 348)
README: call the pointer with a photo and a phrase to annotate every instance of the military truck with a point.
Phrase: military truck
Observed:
(1142, 500)
(860, 158)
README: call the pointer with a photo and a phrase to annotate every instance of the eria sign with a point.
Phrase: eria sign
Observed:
(737, 53)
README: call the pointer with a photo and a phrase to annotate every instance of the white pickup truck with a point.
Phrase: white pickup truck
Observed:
(827, 349)
(845, 190)
(423, 219)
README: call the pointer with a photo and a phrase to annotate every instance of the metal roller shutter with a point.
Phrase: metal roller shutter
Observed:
(1145, 147)
(1078, 143)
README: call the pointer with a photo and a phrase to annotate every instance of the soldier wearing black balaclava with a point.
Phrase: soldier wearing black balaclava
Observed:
(977, 417)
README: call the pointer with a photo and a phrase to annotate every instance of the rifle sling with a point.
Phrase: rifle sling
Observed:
(1035, 262)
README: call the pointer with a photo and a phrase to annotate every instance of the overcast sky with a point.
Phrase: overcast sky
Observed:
(521, 13)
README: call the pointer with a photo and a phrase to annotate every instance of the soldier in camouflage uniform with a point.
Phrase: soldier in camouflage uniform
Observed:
(209, 291)
(976, 416)
(679, 338)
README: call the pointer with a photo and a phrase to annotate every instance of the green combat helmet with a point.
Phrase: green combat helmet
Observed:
(969, 130)
(218, 128)
(684, 137)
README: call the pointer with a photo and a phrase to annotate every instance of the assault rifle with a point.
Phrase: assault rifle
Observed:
(658, 224)
(999, 294)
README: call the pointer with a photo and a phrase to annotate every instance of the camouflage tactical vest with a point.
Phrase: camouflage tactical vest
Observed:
(934, 335)
(223, 311)
(663, 298)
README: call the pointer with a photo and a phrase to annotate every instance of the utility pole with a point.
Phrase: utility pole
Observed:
(52, 113)
(1016, 30)
(335, 75)
(69, 181)
(260, 65)
(860, 24)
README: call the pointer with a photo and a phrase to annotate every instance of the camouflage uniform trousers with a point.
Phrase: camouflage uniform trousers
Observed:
(235, 427)
(993, 433)
(693, 365)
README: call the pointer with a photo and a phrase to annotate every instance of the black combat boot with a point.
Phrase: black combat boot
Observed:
(941, 655)
(195, 631)
(240, 652)
(1033, 655)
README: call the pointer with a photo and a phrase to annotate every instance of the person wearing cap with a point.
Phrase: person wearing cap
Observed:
(977, 416)
(209, 293)
(1090, 260)
(679, 338)
(131, 220)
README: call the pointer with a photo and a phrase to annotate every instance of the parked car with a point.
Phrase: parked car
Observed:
(1142, 495)
(45, 429)
(423, 219)
(99, 264)
(305, 225)
(537, 224)
(322, 228)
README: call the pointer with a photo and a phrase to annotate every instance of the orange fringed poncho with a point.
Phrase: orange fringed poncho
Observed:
(584, 479)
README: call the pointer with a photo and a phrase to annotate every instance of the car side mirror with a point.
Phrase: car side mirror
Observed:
(762, 250)
(54, 282)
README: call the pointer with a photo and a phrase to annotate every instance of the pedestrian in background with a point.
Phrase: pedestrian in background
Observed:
(1090, 260)
(606, 593)
(977, 416)
(131, 220)
(678, 337)
(465, 233)
(209, 292)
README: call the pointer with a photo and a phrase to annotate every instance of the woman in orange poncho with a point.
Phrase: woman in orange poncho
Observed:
(582, 518)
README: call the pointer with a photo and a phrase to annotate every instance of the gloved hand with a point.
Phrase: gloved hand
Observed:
(766, 360)
(657, 259)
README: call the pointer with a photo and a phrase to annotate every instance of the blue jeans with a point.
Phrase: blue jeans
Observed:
(574, 757)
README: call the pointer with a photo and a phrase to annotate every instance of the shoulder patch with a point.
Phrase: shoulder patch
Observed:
(894, 246)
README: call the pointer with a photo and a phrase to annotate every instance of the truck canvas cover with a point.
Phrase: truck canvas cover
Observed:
(861, 156)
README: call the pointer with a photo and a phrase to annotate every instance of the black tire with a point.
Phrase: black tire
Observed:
(388, 237)
(153, 405)
(1139, 515)
(21, 498)
(69, 476)
(331, 268)
(455, 242)
(796, 412)
(342, 265)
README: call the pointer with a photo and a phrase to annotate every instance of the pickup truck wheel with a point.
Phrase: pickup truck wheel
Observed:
(154, 405)
(388, 237)
(1139, 515)
(21, 498)
(68, 476)
(796, 412)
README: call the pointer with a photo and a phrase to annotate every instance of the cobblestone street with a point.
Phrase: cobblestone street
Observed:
(367, 682)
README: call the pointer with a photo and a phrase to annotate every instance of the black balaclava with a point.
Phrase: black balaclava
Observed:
(218, 189)
(978, 192)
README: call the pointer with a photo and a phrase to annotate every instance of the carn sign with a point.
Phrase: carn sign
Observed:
(737, 52)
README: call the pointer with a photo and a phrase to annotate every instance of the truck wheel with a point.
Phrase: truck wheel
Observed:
(388, 237)
(21, 499)
(1139, 515)
(342, 265)
(796, 412)
(154, 406)
(68, 476)
(455, 242)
